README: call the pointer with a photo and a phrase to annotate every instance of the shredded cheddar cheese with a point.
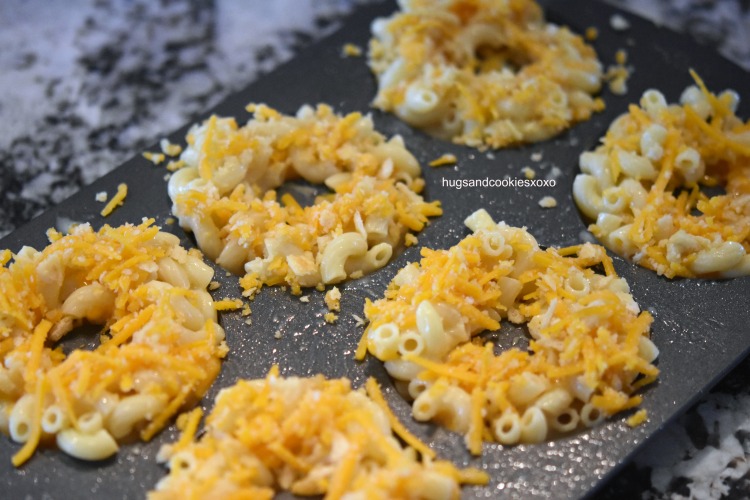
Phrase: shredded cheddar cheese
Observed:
(161, 344)
(483, 73)
(117, 200)
(445, 159)
(308, 436)
(589, 349)
(228, 304)
(637, 418)
(351, 50)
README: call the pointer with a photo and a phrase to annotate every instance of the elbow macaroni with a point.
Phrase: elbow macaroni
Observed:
(438, 66)
(641, 187)
(589, 352)
(225, 195)
(149, 293)
(308, 436)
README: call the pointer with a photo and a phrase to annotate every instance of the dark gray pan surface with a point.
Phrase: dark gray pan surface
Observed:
(701, 327)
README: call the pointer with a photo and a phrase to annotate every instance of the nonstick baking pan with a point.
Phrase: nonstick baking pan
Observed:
(701, 326)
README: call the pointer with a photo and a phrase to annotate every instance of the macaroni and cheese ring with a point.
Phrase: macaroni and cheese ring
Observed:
(226, 196)
(160, 351)
(589, 340)
(642, 186)
(482, 73)
(308, 436)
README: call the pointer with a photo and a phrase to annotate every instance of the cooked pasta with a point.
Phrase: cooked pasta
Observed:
(642, 186)
(589, 350)
(225, 195)
(309, 436)
(161, 348)
(482, 72)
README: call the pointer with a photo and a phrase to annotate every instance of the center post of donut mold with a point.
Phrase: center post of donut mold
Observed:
(505, 182)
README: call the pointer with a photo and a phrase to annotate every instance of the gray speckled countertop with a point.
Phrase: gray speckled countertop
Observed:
(86, 84)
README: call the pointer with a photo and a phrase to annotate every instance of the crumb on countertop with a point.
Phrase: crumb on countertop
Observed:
(359, 320)
(168, 148)
(548, 202)
(155, 158)
(554, 172)
(528, 172)
(333, 299)
(621, 56)
(330, 317)
(619, 23)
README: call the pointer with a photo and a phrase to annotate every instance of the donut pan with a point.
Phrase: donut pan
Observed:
(700, 326)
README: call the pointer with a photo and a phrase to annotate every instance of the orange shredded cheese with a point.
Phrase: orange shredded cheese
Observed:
(124, 278)
(373, 390)
(589, 347)
(483, 73)
(653, 162)
(117, 200)
(309, 436)
(445, 159)
(228, 304)
(637, 418)
(351, 50)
